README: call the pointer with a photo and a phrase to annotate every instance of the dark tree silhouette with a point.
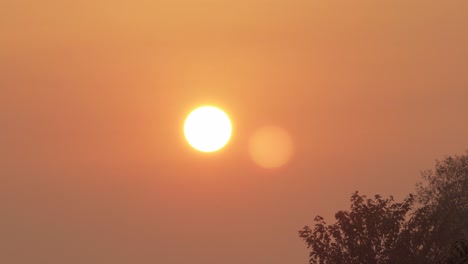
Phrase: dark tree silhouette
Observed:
(374, 231)
(456, 253)
(416, 230)
(443, 199)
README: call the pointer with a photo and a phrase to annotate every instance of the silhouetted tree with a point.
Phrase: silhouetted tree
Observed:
(374, 231)
(443, 205)
(383, 231)
(456, 253)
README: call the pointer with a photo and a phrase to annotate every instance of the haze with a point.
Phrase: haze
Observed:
(94, 167)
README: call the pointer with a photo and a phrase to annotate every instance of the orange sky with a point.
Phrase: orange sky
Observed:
(93, 164)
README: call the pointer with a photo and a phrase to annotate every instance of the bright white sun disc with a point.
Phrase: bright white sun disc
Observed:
(207, 129)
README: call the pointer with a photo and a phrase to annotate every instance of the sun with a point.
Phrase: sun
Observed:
(207, 129)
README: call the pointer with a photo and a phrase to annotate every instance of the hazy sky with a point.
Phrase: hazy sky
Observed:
(94, 168)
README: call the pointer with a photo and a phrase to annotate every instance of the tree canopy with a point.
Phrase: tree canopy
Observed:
(419, 229)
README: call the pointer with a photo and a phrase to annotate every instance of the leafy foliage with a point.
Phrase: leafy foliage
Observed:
(380, 231)
(457, 253)
(372, 232)
(442, 215)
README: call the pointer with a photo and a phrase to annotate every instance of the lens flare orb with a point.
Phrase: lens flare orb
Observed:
(271, 147)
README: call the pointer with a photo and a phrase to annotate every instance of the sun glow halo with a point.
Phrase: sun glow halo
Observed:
(207, 129)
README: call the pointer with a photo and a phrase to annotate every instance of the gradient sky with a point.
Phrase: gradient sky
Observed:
(94, 168)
